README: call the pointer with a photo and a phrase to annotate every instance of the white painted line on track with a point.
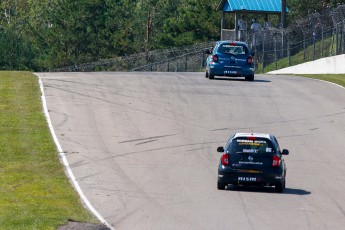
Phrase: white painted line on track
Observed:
(65, 162)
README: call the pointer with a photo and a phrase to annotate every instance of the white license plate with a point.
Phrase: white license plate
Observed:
(230, 72)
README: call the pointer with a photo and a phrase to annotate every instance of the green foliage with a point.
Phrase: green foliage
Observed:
(45, 34)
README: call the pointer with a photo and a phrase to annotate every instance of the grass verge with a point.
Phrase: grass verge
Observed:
(35, 192)
(335, 78)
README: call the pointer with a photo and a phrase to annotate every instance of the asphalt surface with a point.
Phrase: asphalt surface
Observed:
(143, 147)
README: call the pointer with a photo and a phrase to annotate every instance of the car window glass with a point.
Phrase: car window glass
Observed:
(232, 49)
(257, 146)
(277, 144)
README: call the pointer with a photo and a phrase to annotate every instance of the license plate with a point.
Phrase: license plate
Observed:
(247, 179)
(230, 72)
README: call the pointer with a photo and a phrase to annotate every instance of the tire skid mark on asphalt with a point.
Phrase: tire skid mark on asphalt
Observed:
(146, 142)
(156, 149)
(246, 213)
(121, 173)
(341, 209)
(147, 138)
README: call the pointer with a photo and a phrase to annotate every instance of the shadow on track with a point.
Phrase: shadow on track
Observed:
(238, 79)
(288, 191)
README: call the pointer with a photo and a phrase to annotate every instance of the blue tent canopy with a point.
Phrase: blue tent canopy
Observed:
(251, 6)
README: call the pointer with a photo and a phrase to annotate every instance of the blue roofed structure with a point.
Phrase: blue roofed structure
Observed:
(251, 6)
(243, 7)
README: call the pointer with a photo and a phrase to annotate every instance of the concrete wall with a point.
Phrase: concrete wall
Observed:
(329, 65)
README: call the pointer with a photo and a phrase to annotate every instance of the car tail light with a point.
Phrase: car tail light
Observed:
(225, 159)
(252, 138)
(215, 58)
(276, 161)
(250, 60)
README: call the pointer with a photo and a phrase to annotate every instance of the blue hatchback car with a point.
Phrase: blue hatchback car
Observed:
(230, 58)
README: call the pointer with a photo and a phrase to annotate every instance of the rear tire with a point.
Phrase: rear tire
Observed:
(250, 78)
(210, 76)
(220, 186)
(280, 186)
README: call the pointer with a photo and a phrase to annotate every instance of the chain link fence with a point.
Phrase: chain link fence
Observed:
(174, 59)
(320, 34)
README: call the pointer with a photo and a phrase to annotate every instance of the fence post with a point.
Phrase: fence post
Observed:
(337, 40)
(282, 44)
(186, 64)
(340, 37)
(203, 59)
(288, 52)
(304, 47)
(263, 53)
(322, 42)
(314, 43)
(343, 24)
(275, 53)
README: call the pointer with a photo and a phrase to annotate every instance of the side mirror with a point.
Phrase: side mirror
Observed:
(285, 152)
(207, 51)
(220, 149)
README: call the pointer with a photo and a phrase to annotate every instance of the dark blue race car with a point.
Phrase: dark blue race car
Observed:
(230, 58)
(252, 159)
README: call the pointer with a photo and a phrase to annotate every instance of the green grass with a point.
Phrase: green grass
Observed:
(35, 192)
(335, 78)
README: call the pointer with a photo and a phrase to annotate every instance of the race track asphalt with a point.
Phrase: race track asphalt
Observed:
(143, 147)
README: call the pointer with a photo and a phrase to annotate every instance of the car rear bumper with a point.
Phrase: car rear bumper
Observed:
(227, 175)
(231, 72)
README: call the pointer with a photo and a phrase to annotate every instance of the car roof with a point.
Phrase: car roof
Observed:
(259, 135)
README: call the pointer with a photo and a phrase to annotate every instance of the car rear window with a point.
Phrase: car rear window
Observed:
(234, 49)
(256, 146)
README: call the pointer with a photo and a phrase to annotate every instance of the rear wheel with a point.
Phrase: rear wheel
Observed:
(280, 186)
(250, 77)
(220, 186)
(210, 76)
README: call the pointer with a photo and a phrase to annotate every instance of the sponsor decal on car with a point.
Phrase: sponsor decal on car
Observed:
(250, 150)
(247, 179)
(250, 163)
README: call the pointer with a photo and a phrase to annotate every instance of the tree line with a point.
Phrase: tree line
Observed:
(46, 34)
